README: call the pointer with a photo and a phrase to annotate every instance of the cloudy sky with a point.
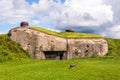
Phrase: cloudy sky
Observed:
(90, 16)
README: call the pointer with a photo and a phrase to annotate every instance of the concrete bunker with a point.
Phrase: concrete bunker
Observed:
(58, 55)
(41, 45)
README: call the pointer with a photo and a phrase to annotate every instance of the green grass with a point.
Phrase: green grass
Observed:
(67, 34)
(113, 47)
(86, 69)
(10, 50)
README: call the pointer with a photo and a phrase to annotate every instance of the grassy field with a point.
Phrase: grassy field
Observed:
(67, 34)
(86, 69)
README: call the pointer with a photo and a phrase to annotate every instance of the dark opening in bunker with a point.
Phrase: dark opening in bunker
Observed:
(59, 55)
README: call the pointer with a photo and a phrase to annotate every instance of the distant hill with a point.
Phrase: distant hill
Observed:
(10, 50)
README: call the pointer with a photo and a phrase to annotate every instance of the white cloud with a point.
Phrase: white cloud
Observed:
(41, 6)
(2, 32)
(74, 12)
(116, 9)
(87, 13)
(113, 32)
(70, 13)
(12, 11)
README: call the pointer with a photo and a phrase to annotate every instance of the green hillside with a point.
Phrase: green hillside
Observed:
(113, 47)
(10, 50)
(67, 34)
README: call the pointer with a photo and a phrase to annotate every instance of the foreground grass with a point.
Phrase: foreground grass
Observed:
(67, 34)
(87, 69)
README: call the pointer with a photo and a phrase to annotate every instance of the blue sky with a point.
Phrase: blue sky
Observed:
(31, 1)
(90, 16)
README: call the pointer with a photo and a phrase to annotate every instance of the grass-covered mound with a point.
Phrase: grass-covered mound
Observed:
(10, 50)
(113, 47)
(66, 34)
(113, 44)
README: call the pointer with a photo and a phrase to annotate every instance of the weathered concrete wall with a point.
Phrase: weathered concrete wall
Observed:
(86, 47)
(36, 43)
